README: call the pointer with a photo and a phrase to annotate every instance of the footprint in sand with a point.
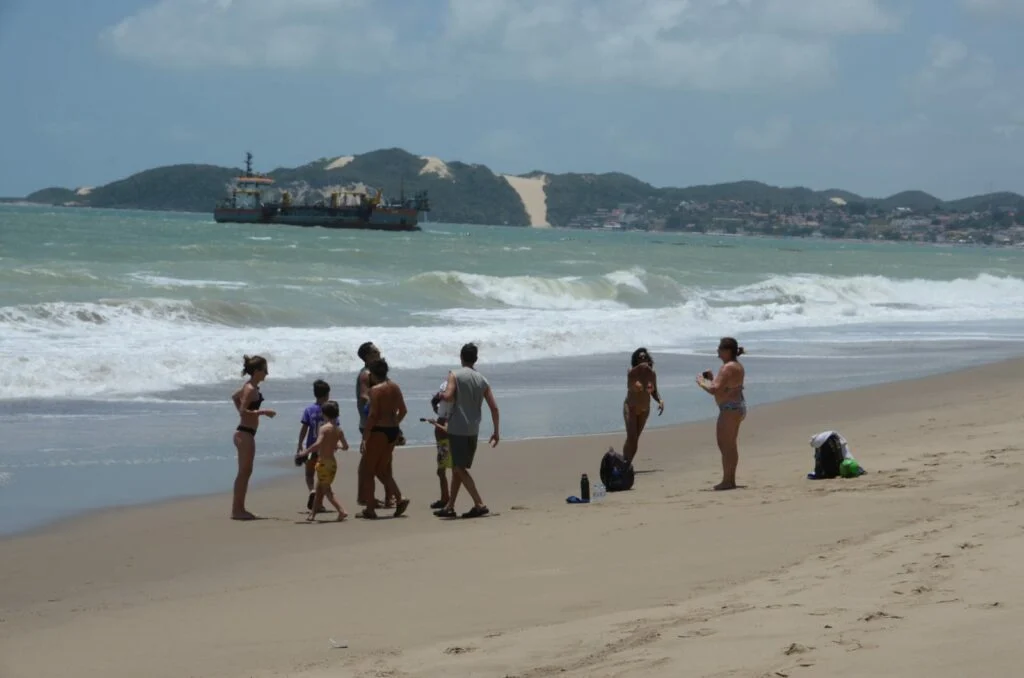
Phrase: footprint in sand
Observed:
(698, 633)
(458, 650)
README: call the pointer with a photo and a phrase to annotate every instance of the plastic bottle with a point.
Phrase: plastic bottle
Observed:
(599, 492)
(585, 488)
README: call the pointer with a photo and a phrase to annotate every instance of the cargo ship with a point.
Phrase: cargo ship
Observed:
(344, 209)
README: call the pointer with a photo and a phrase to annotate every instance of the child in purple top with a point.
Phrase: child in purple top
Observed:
(312, 417)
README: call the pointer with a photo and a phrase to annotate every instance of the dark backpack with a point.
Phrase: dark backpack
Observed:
(828, 457)
(616, 473)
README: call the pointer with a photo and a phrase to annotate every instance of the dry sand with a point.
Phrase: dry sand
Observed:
(531, 191)
(911, 570)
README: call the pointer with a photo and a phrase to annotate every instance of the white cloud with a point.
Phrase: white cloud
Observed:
(1013, 8)
(249, 33)
(772, 135)
(700, 44)
(952, 68)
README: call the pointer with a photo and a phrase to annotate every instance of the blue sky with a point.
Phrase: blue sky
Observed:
(874, 96)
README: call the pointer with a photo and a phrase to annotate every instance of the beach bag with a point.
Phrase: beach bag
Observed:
(829, 452)
(616, 473)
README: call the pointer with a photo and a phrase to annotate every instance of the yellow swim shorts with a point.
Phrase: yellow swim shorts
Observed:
(326, 470)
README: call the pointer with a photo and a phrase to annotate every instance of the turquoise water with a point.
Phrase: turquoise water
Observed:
(106, 304)
(115, 320)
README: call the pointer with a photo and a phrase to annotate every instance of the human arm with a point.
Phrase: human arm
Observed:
(303, 430)
(372, 417)
(721, 381)
(402, 409)
(243, 396)
(449, 390)
(364, 389)
(316, 444)
(495, 419)
(653, 388)
(342, 440)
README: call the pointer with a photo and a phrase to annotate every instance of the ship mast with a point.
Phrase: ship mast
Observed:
(248, 164)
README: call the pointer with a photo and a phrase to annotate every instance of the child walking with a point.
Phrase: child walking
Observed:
(312, 418)
(444, 454)
(329, 438)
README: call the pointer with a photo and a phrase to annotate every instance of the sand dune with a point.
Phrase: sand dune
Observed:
(910, 570)
(531, 192)
(435, 166)
(340, 162)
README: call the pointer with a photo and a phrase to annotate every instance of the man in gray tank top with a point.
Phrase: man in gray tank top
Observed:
(466, 392)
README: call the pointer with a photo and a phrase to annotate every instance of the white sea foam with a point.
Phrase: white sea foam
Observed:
(133, 347)
(169, 282)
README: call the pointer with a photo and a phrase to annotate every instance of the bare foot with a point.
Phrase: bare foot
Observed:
(341, 516)
(244, 515)
(311, 517)
(725, 486)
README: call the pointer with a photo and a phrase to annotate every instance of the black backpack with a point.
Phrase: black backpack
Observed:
(616, 473)
(828, 457)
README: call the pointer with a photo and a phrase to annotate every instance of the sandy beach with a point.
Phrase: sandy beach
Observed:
(910, 570)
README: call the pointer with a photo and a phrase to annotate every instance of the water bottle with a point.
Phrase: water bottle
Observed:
(585, 488)
(599, 491)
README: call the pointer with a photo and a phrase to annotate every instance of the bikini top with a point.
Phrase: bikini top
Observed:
(255, 404)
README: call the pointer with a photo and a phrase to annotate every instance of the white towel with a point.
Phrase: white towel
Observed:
(819, 439)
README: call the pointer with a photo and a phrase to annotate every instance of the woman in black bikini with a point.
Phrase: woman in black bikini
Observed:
(641, 386)
(247, 402)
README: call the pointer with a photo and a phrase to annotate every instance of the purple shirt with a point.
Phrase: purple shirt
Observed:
(313, 417)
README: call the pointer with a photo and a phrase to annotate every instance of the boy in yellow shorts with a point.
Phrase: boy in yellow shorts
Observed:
(329, 438)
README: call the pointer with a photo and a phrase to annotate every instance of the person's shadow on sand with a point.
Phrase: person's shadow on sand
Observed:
(713, 489)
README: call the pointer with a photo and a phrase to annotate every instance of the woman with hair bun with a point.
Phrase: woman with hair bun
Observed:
(247, 402)
(727, 389)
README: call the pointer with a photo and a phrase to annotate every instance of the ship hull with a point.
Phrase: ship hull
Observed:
(379, 219)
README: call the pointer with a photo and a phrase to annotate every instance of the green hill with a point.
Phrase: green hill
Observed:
(473, 194)
(53, 196)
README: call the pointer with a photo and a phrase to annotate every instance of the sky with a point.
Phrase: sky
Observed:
(872, 96)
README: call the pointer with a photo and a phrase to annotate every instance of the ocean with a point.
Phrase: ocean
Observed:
(122, 332)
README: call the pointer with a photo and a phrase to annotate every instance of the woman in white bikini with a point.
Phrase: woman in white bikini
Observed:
(727, 389)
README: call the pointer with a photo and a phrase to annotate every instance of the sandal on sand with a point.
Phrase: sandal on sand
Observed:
(365, 513)
(400, 508)
(439, 504)
(476, 512)
(445, 513)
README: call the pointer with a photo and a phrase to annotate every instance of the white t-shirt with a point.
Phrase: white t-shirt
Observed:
(443, 407)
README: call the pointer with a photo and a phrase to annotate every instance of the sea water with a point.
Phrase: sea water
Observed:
(122, 332)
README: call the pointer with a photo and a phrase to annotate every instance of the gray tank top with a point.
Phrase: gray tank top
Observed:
(362, 415)
(464, 418)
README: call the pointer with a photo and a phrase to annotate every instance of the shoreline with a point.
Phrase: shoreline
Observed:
(286, 474)
(241, 598)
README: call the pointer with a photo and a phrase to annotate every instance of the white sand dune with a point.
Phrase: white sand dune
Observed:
(531, 191)
(435, 166)
(341, 162)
